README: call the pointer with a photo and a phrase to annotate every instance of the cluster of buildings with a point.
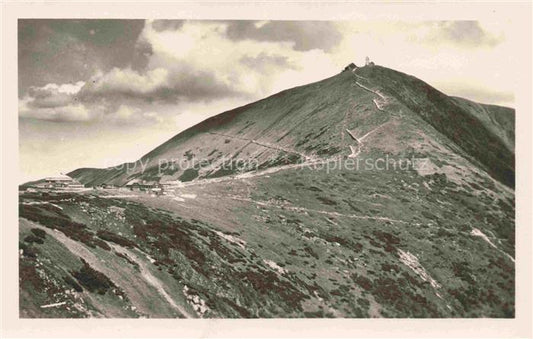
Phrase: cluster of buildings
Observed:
(57, 183)
(148, 186)
(64, 183)
(352, 67)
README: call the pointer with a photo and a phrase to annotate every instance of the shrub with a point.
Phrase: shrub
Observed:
(39, 232)
(310, 251)
(388, 240)
(72, 283)
(117, 239)
(55, 219)
(33, 239)
(188, 175)
(362, 281)
(327, 201)
(92, 280)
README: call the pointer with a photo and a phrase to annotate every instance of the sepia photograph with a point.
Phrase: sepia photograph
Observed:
(184, 167)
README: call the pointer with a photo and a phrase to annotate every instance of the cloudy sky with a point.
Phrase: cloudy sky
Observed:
(95, 93)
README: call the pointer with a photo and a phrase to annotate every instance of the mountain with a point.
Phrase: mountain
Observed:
(311, 121)
(367, 194)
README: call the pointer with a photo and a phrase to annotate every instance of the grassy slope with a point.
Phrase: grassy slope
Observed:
(460, 124)
(499, 120)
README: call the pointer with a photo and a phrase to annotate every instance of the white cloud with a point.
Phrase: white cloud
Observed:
(65, 88)
(128, 80)
(204, 46)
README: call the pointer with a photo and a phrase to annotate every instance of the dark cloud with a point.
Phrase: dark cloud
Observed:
(156, 86)
(64, 51)
(167, 25)
(68, 51)
(107, 94)
(463, 33)
(141, 55)
(306, 35)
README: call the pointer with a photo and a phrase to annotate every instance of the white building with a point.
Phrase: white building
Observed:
(59, 183)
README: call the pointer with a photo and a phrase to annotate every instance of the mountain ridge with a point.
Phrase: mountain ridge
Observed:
(492, 151)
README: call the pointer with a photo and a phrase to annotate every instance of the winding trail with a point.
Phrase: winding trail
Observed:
(379, 103)
(372, 131)
(370, 90)
(259, 173)
(356, 150)
(266, 145)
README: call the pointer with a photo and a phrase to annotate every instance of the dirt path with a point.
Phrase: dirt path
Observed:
(353, 136)
(356, 150)
(358, 76)
(150, 279)
(372, 131)
(370, 90)
(259, 173)
(381, 101)
(311, 162)
(266, 145)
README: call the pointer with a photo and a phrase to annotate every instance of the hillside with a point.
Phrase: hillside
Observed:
(308, 229)
(310, 122)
